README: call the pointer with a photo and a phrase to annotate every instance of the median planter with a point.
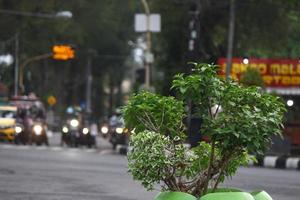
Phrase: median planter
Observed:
(228, 196)
(261, 195)
(236, 120)
(220, 194)
(169, 195)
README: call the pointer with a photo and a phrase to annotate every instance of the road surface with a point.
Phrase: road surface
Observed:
(56, 173)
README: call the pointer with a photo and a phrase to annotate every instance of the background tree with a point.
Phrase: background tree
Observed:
(252, 77)
(263, 29)
(103, 26)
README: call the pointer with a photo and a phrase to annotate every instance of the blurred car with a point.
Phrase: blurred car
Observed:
(31, 127)
(7, 122)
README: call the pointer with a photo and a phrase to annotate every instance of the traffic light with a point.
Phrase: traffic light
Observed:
(63, 52)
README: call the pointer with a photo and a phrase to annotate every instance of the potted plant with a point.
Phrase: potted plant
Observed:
(237, 120)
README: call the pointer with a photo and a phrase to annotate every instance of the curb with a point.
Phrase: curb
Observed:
(277, 162)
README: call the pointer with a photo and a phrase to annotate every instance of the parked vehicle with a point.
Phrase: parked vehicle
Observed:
(31, 127)
(7, 122)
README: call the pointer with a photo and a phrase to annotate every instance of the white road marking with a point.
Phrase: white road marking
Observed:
(90, 150)
(7, 146)
(56, 148)
(105, 152)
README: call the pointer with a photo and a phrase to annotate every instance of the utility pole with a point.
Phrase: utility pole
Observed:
(193, 122)
(89, 80)
(59, 15)
(148, 49)
(230, 38)
(16, 64)
(194, 31)
(24, 64)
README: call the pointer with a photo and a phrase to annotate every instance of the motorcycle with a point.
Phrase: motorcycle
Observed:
(31, 125)
(116, 132)
(70, 133)
(75, 134)
(39, 134)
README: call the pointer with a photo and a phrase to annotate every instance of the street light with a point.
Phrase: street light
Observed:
(6, 59)
(290, 103)
(57, 15)
(246, 61)
(61, 14)
(147, 23)
(64, 14)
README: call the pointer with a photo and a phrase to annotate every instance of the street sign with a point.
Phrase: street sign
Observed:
(51, 100)
(140, 23)
(149, 57)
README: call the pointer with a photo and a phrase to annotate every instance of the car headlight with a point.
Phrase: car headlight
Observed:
(37, 129)
(18, 129)
(104, 129)
(65, 129)
(74, 123)
(85, 131)
(119, 130)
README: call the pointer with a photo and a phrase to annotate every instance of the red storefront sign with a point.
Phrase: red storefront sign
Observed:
(283, 74)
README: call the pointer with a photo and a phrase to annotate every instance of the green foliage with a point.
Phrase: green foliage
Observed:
(156, 113)
(104, 26)
(263, 29)
(252, 77)
(244, 120)
(149, 168)
(248, 119)
(203, 87)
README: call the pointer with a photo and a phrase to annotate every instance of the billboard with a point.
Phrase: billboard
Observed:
(279, 75)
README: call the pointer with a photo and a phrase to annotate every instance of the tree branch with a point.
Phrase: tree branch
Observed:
(224, 165)
(212, 155)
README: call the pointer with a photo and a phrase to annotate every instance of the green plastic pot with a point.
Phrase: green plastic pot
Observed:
(169, 195)
(219, 194)
(261, 195)
(228, 196)
(235, 194)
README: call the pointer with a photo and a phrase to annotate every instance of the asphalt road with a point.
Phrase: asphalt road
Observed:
(55, 173)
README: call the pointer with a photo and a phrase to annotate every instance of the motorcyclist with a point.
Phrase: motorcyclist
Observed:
(71, 128)
(31, 120)
(94, 132)
(117, 129)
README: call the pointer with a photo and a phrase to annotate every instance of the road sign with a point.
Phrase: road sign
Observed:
(140, 23)
(51, 100)
(149, 57)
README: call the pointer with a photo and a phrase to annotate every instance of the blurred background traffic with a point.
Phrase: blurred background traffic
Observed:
(68, 67)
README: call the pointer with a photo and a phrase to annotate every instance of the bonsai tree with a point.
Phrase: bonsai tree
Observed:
(243, 121)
